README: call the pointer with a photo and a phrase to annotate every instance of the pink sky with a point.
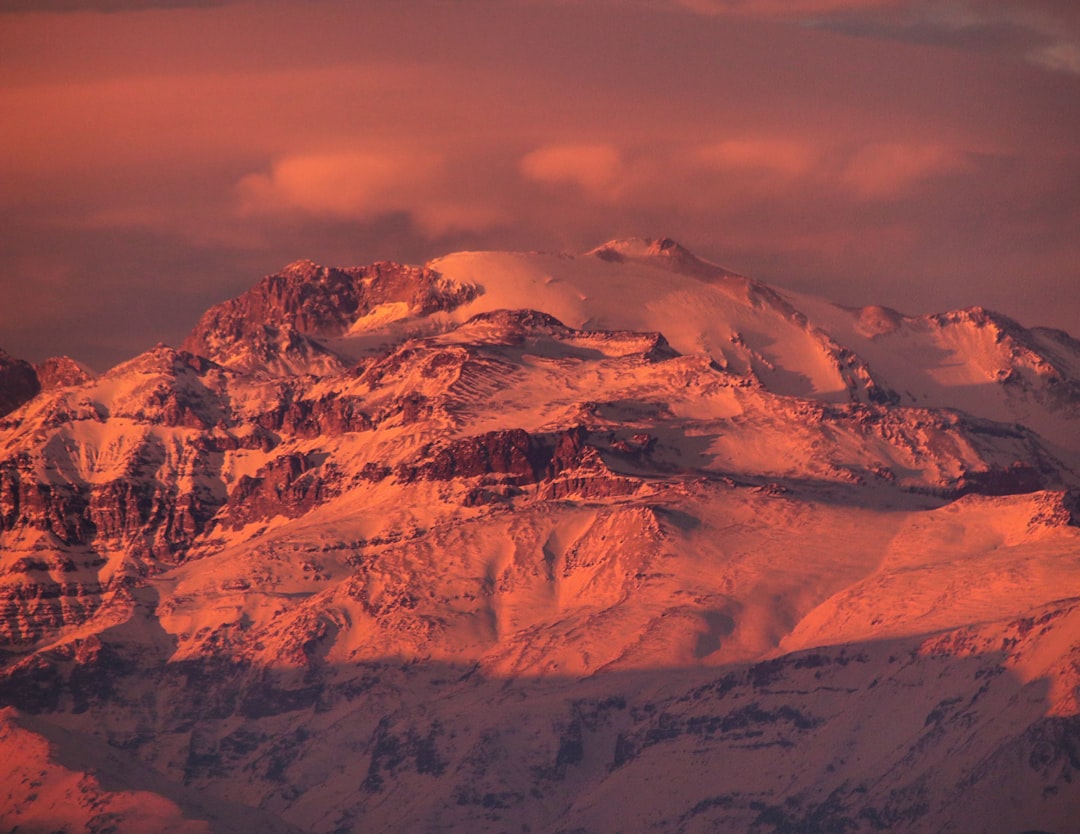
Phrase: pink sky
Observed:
(920, 155)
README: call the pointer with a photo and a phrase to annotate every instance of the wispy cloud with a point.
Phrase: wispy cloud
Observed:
(596, 168)
(1063, 56)
(779, 156)
(1043, 32)
(352, 184)
(364, 185)
(887, 170)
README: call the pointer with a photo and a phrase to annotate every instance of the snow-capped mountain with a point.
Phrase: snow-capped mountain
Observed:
(621, 541)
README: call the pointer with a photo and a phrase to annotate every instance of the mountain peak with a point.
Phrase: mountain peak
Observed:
(660, 250)
(641, 247)
(62, 371)
(287, 312)
(18, 383)
(301, 265)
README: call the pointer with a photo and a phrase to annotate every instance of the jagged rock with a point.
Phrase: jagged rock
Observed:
(330, 415)
(279, 318)
(576, 468)
(62, 372)
(517, 326)
(60, 509)
(509, 453)
(288, 485)
(19, 383)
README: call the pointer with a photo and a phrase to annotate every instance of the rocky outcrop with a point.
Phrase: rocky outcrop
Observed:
(19, 383)
(671, 254)
(1019, 478)
(59, 509)
(37, 599)
(562, 463)
(289, 485)
(62, 372)
(511, 454)
(1026, 364)
(167, 387)
(283, 316)
(577, 468)
(861, 384)
(153, 521)
(147, 517)
(516, 327)
(1055, 510)
(331, 414)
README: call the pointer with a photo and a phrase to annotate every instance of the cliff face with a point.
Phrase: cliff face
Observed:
(18, 383)
(373, 552)
(62, 372)
(276, 325)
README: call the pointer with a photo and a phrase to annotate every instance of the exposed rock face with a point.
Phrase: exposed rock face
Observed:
(92, 537)
(282, 317)
(62, 372)
(511, 454)
(18, 383)
(331, 414)
(369, 555)
(287, 485)
(518, 327)
(675, 256)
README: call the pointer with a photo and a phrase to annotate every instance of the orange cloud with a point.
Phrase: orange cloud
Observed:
(358, 184)
(772, 155)
(595, 168)
(870, 171)
(363, 185)
(883, 170)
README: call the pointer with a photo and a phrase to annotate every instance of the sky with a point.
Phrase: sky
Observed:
(157, 158)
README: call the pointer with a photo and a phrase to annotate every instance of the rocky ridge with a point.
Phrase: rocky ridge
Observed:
(274, 325)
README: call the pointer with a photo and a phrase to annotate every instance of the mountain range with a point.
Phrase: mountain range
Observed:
(538, 542)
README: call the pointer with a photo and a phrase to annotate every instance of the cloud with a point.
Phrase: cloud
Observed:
(885, 170)
(1062, 56)
(363, 185)
(773, 168)
(595, 168)
(353, 184)
(1042, 32)
(777, 156)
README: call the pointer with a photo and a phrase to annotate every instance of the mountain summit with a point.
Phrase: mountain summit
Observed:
(547, 542)
(270, 327)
